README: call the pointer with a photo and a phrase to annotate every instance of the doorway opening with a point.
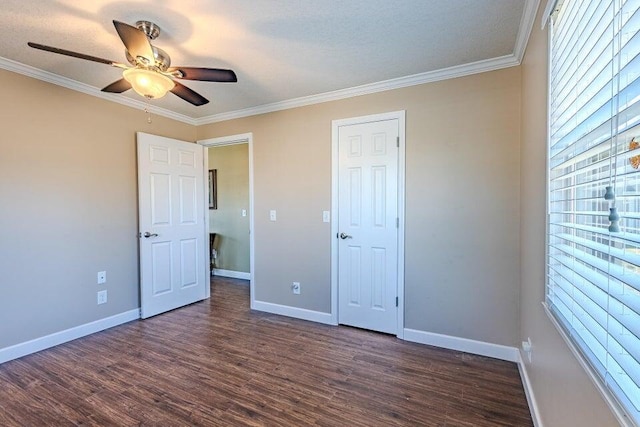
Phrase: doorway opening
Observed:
(229, 163)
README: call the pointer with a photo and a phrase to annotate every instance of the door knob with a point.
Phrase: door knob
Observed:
(345, 236)
(147, 234)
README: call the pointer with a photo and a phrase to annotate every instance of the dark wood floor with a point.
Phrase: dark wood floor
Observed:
(217, 363)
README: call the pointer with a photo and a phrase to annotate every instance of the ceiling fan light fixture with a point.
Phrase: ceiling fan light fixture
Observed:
(147, 83)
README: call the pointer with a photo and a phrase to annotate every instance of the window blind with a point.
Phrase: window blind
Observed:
(593, 274)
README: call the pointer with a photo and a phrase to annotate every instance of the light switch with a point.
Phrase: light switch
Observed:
(244, 212)
(272, 215)
(326, 217)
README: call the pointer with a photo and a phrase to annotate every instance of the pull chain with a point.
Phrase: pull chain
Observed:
(146, 110)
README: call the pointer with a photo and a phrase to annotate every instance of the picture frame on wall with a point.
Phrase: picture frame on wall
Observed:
(213, 188)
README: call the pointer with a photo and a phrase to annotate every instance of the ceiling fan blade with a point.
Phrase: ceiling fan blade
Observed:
(73, 54)
(135, 41)
(188, 95)
(204, 74)
(117, 86)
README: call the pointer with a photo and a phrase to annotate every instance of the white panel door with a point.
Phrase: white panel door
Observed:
(367, 224)
(171, 221)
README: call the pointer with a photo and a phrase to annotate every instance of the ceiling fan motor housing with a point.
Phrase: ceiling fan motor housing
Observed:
(162, 60)
(149, 28)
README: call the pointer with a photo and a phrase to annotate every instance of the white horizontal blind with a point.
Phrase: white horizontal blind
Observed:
(593, 283)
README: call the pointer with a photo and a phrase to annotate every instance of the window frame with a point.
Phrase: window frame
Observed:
(618, 409)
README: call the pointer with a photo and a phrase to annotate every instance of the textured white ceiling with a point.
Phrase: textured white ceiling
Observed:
(280, 50)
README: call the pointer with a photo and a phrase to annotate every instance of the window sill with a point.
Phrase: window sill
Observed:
(618, 411)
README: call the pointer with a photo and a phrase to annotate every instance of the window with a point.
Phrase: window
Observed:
(593, 262)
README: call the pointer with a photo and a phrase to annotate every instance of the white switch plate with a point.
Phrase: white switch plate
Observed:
(102, 297)
(295, 288)
(244, 212)
(272, 215)
(526, 348)
(102, 277)
(326, 217)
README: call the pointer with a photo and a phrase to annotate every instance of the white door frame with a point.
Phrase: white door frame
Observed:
(335, 126)
(243, 138)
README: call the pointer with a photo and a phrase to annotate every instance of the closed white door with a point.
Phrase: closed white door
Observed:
(367, 225)
(171, 221)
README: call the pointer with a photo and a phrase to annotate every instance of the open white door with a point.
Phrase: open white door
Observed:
(171, 221)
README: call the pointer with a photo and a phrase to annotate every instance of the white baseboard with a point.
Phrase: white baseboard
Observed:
(298, 313)
(232, 274)
(528, 391)
(48, 341)
(480, 348)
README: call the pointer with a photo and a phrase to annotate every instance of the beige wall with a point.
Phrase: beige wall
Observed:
(232, 163)
(462, 202)
(565, 395)
(69, 206)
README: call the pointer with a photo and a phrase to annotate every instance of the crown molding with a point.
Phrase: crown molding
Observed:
(512, 60)
(526, 25)
(27, 70)
(397, 83)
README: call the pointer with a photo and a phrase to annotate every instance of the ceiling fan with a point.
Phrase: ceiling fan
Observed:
(150, 74)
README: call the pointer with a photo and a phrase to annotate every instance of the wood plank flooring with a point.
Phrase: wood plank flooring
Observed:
(216, 363)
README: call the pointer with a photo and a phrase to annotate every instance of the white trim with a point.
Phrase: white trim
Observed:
(397, 83)
(481, 348)
(526, 25)
(68, 83)
(243, 138)
(335, 125)
(232, 274)
(616, 408)
(528, 391)
(298, 313)
(401, 215)
(334, 224)
(205, 197)
(52, 340)
(548, 11)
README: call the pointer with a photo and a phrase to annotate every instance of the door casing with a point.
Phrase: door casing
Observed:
(335, 126)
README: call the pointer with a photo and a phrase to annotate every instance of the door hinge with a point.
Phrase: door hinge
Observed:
(396, 301)
(397, 222)
(398, 141)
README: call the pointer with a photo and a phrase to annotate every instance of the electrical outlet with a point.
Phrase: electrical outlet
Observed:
(102, 297)
(102, 277)
(295, 288)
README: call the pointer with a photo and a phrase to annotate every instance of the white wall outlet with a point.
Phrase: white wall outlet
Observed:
(326, 216)
(272, 215)
(102, 277)
(526, 348)
(295, 288)
(244, 212)
(102, 297)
